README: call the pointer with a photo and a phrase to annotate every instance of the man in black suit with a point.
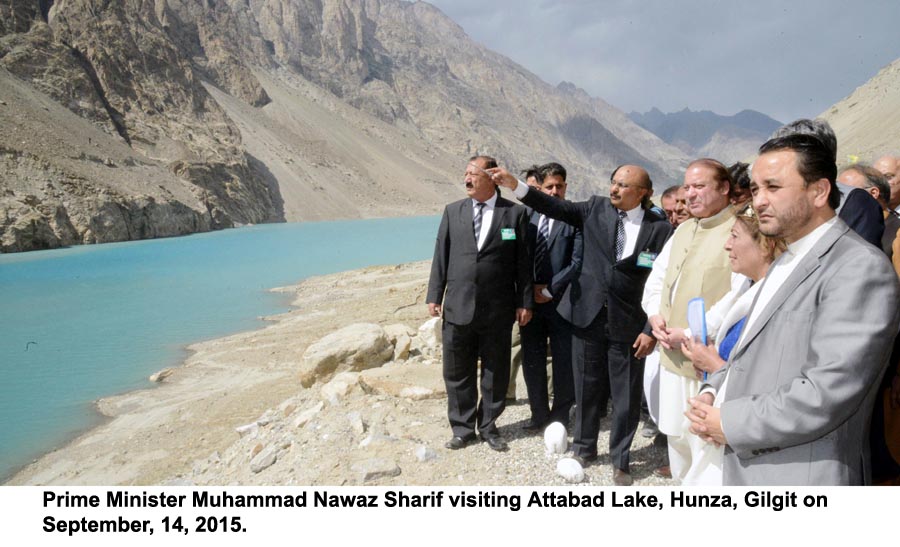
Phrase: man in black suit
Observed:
(557, 249)
(482, 260)
(622, 237)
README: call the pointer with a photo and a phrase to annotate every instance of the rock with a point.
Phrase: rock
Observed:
(356, 422)
(570, 470)
(425, 453)
(397, 330)
(356, 347)
(339, 386)
(402, 347)
(162, 375)
(249, 430)
(376, 439)
(374, 469)
(405, 380)
(256, 450)
(264, 459)
(429, 336)
(308, 414)
(555, 440)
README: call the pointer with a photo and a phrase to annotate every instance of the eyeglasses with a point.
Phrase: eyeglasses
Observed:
(479, 168)
(624, 186)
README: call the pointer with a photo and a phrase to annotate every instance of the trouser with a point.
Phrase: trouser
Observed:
(597, 361)
(547, 323)
(464, 345)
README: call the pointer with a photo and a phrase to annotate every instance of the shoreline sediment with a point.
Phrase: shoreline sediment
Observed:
(149, 435)
(184, 430)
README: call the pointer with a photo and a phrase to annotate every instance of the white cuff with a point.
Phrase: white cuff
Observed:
(546, 293)
(521, 189)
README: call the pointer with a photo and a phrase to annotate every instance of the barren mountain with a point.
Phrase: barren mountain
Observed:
(147, 118)
(867, 122)
(707, 134)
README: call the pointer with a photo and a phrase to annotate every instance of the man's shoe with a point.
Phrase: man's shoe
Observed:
(622, 478)
(533, 426)
(459, 442)
(649, 430)
(664, 472)
(496, 442)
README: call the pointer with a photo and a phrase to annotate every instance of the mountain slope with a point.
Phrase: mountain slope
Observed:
(707, 134)
(271, 110)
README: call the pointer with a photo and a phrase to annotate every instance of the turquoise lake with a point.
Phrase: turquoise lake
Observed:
(86, 322)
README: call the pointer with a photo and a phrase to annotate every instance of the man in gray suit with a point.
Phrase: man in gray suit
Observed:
(800, 384)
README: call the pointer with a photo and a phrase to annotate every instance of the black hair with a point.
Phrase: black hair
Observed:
(815, 160)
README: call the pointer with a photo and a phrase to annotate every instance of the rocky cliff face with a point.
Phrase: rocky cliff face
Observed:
(218, 112)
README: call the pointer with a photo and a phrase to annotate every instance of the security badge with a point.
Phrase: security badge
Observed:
(508, 233)
(645, 259)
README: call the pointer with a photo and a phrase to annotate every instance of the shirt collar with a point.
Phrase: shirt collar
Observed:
(802, 246)
(634, 215)
(490, 203)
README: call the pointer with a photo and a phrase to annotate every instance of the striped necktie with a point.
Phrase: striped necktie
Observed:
(620, 235)
(540, 250)
(476, 221)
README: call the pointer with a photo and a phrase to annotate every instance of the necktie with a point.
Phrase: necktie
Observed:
(540, 250)
(620, 235)
(476, 221)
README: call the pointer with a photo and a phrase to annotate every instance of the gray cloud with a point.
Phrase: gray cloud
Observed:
(786, 59)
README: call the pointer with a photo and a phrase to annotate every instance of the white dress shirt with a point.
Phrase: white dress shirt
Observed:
(487, 215)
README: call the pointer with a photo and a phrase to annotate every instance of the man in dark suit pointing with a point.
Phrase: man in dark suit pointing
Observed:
(482, 261)
(622, 238)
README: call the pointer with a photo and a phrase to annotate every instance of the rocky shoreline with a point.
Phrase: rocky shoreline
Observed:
(345, 389)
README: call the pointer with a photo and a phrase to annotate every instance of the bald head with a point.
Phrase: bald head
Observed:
(629, 187)
(889, 166)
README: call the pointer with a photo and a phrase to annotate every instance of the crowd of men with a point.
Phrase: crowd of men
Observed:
(605, 284)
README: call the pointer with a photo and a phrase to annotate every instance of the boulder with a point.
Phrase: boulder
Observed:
(264, 459)
(339, 386)
(162, 375)
(401, 348)
(308, 414)
(406, 380)
(375, 468)
(429, 336)
(356, 347)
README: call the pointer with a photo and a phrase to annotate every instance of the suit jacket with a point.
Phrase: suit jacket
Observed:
(565, 247)
(487, 285)
(862, 213)
(891, 225)
(802, 384)
(603, 281)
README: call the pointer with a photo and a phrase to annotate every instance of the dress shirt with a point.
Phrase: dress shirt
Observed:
(632, 223)
(487, 215)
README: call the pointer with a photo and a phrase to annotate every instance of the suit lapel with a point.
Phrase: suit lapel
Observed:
(466, 212)
(496, 220)
(557, 228)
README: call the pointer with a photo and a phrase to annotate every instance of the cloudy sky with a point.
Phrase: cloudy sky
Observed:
(786, 58)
